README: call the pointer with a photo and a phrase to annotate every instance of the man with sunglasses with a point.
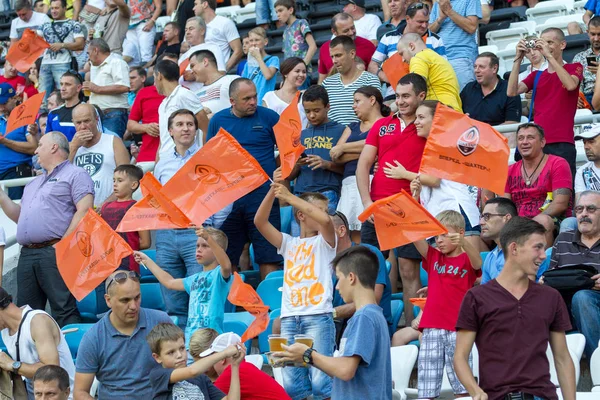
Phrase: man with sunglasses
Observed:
(61, 118)
(114, 350)
(582, 247)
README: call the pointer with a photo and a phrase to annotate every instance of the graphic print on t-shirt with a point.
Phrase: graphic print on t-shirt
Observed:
(590, 179)
(91, 162)
(186, 391)
(201, 299)
(305, 288)
(318, 142)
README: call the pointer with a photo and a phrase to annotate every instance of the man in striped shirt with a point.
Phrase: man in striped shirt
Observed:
(582, 247)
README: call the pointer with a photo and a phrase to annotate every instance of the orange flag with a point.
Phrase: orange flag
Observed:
(395, 68)
(217, 175)
(89, 254)
(183, 66)
(26, 51)
(287, 134)
(243, 295)
(400, 220)
(154, 211)
(25, 114)
(418, 301)
(463, 150)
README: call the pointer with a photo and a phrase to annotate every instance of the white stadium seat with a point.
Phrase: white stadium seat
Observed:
(403, 362)
(548, 9)
(229, 12)
(595, 370)
(245, 13)
(504, 37)
(578, 6)
(490, 48)
(575, 344)
(561, 23)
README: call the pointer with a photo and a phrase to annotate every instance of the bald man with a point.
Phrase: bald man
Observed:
(96, 152)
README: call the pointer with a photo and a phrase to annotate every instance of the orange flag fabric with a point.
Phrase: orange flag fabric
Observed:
(26, 51)
(418, 301)
(395, 68)
(183, 66)
(463, 150)
(154, 211)
(217, 175)
(287, 134)
(243, 295)
(400, 220)
(26, 113)
(89, 254)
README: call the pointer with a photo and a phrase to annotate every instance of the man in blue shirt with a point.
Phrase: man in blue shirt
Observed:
(61, 119)
(252, 126)
(16, 147)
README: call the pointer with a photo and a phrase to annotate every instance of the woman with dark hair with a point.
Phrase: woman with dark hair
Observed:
(293, 71)
(368, 107)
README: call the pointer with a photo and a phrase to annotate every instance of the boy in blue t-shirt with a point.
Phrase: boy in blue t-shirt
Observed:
(207, 289)
(260, 67)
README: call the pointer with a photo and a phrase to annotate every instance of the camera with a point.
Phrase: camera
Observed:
(530, 44)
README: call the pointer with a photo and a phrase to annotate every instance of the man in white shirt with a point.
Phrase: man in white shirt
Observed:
(109, 85)
(220, 31)
(587, 176)
(27, 18)
(366, 24)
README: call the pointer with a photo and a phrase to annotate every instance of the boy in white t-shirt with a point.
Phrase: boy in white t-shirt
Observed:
(308, 282)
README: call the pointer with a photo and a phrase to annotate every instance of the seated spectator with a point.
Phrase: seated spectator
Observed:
(243, 61)
(51, 382)
(261, 68)
(342, 24)
(442, 84)
(341, 86)
(26, 19)
(170, 42)
(55, 100)
(112, 25)
(120, 333)
(590, 69)
(11, 76)
(485, 98)
(254, 384)
(539, 184)
(582, 247)
(397, 16)
(39, 6)
(61, 118)
(137, 80)
(366, 24)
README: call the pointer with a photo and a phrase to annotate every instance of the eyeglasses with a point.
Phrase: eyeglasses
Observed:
(487, 216)
(121, 277)
(417, 6)
(589, 209)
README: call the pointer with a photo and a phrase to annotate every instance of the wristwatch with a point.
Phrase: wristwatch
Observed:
(307, 357)
(15, 366)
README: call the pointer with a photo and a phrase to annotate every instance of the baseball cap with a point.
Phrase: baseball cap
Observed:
(221, 342)
(589, 132)
(6, 92)
(358, 3)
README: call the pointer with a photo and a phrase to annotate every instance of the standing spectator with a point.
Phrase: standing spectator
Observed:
(298, 40)
(16, 147)
(341, 86)
(61, 118)
(293, 71)
(96, 152)
(366, 24)
(590, 69)
(591, 8)
(220, 31)
(112, 25)
(139, 41)
(40, 341)
(19, 83)
(64, 36)
(51, 381)
(557, 93)
(252, 126)
(265, 13)
(109, 85)
(342, 24)
(26, 18)
(73, 8)
(442, 83)
(457, 22)
(170, 42)
(485, 99)
(62, 194)
(494, 316)
(261, 68)
(137, 80)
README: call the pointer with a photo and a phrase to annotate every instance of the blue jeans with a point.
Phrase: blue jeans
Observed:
(334, 199)
(50, 75)
(265, 11)
(176, 254)
(568, 224)
(585, 308)
(116, 121)
(300, 383)
(464, 70)
(14, 193)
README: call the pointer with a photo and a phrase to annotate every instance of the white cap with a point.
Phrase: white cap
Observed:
(221, 342)
(589, 132)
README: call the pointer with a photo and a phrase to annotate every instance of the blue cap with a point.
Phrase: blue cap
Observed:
(6, 92)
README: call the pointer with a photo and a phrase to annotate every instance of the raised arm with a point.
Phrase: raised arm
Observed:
(514, 87)
(10, 208)
(161, 275)
(261, 220)
(202, 365)
(218, 251)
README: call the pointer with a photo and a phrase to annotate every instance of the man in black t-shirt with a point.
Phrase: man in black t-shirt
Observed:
(170, 43)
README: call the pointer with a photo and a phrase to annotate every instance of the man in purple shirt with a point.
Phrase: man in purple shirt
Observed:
(51, 207)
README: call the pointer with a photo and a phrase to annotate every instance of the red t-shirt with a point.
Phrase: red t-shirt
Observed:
(554, 106)
(254, 384)
(364, 49)
(18, 80)
(394, 143)
(145, 109)
(449, 280)
(113, 213)
(556, 174)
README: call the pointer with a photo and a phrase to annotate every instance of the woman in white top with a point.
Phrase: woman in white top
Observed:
(446, 194)
(293, 71)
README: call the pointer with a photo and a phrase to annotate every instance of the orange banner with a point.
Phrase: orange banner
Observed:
(394, 69)
(400, 220)
(25, 114)
(183, 66)
(217, 175)
(26, 51)
(89, 254)
(463, 150)
(418, 301)
(154, 211)
(287, 133)
(243, 295)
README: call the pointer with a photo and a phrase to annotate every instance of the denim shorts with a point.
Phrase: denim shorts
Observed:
(300, 383)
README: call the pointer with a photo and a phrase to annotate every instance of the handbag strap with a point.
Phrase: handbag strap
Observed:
(257, 70)
(18, 358)
(535, 85)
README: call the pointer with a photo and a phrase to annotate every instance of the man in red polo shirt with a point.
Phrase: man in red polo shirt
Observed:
(394, 143)
(343, 24)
